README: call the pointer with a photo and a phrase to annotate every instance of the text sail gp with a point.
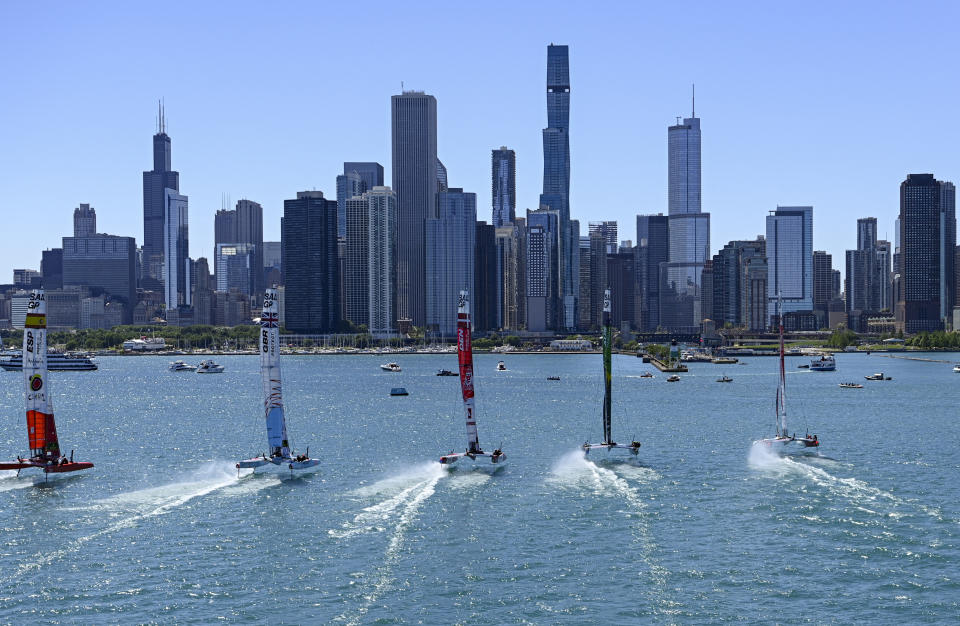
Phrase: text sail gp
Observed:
(280, 455)
(465, 356)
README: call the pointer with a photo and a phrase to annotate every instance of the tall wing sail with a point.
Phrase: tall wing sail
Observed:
(607, 340)
(270, 373)
(782, 392)
(465, 356)
(41, 429)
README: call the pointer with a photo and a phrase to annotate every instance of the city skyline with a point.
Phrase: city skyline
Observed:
(823, 126)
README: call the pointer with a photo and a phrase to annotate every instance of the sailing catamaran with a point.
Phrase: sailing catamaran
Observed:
(280, 456)
(41, 430)
(784, 442)
(465, 356)
(608, 443)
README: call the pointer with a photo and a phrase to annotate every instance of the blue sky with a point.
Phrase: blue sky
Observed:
(827, 104)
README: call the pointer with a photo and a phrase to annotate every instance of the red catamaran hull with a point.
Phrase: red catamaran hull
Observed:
(49, 469)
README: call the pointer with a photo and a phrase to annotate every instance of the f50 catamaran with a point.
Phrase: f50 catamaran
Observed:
(783, 442)
(465, 356)
(608, 443)
(280, 456)
(41, 430)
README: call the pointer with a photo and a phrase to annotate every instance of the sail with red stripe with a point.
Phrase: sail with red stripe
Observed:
(465, 356)
(41, 429)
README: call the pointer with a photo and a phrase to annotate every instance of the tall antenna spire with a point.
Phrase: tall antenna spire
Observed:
(159, 115)
(694, 103)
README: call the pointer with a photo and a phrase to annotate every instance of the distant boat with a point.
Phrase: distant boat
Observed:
(851, 385)
(724, 379)
(724, 360)
(956, 368)
(783, 441)
(180, 366)
(45, 451)
(56, 362)
(646, 375)
(804, 366)
(390, 367)
(399, 391)
(281, 455)
(465, 357)
(501, 366)
(673, 379)
(823, 363)
(608, 443)
(446, 373)
(209, 367)
(877, 376)
(553, 378)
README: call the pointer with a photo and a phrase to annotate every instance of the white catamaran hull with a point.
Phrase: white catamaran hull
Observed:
(613, 448)
(478, 459)
(789, 445)
(278, 465)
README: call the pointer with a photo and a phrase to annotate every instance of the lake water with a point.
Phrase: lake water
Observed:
(702, 529)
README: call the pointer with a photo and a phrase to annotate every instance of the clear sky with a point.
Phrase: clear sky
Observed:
(828, 104)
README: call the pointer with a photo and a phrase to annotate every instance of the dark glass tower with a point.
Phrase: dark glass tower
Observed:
(155, 181)
(653, 250)
(928, 235)
(556, 178)
(503, 186)
(310, 263)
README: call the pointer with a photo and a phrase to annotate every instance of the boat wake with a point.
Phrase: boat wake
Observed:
(10, 481)
(403, 509)
(132, 508)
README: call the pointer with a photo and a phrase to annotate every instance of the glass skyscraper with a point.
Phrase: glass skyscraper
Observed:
(451, 255)
(503, 186)
(790, 259)
(309, 242)
(155, 184)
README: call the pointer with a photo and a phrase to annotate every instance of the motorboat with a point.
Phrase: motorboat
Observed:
(608, 443)
(501, 366)
(724, 379)
(724, 360)
(553, 378)
(390, 367)
(783, 442)
(446, 373)
(281, 457)
(474, 452)
(673, 379)
(956, 368)
(180, 366)
(851, 385)
(823, 363)
(646, 375)
(56, 362)
(399, 391)
(877, 376)
(208, 366)
(804, 366)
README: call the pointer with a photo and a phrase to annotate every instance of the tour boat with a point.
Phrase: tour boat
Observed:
(465, 357)
(783, 442)
(180, 366)
(56, 362)
(209, 367)
(281, 456)
(501, 366)
(608, 443)
(45, 453)
(390, 367)
(823, 363)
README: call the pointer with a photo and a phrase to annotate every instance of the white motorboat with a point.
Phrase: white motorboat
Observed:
(281, 457)
(180, 366)
(501, 366)
(56, 362)
(877, 376)
(783, 442)
(390, 367)
(209, 367)
(724, 379)
(956, 368)
(465, 357)
(608, 443)
(823, 363)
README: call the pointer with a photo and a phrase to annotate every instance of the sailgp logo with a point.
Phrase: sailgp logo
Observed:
(36, 382)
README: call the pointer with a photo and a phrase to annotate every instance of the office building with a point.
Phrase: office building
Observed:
(26, 279)
(451, 258)
(754, 306)
(272, 264)
(242, 226)
(484, 303)
(156, 182)
(51, 268)
(621, 279)
(584, 302)
(503, 186)
(790, 260)
(414, 179)
(84, 221)
(608, 232)
(357, 177)
(176, 251)
(309, 240)
(928, 236)
(203, 297)
(237, 265)
(823, 291)
(542, 269)
(104, 264)
(728, 281)
(653, 252)
(510, 291)
(370, 260)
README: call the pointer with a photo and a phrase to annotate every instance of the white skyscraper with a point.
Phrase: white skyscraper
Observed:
(382, 269)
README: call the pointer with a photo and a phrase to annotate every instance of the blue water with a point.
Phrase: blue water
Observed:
(701, 530)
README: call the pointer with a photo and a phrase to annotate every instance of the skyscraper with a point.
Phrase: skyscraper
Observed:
(542, 269)
(104, 263)
(51, 269)
(485, 278)
(176, 251)
(510, 292)
(503, 186)
(866, 233)
(608, 231)
(790, 259)
(370, 273)
(84, 222)
(155, 184)
(414, 178)
(928, 235)
(309, 241)
(680, 305)
(370, 173)
(357, 177)
(653, 250)
(556, 181)
(728, 280)
(451, 258)
(822, 285)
